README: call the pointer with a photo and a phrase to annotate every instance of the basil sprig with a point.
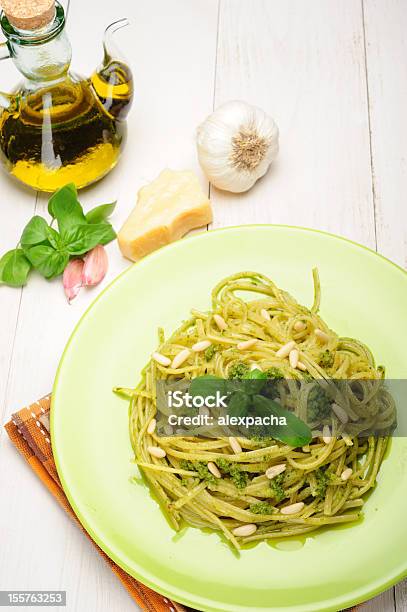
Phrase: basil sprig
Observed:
(245, 397)
(48, 250)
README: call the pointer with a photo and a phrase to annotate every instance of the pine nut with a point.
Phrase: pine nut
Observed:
(293, 508)
(346, 474)
(214, 469)
(156, 451)
(322, 336)
(284, 351)
(180, 358)
(235, 446)
(301, 366)
(161, 359)
(340, 413)
(348, 439)
(220, 322)
(151, 426)
(293, 357)
(243, 346)
(265, 314)
(299, 326)
(326, 434)
(275, 470)
(201, 346)
(245, 530)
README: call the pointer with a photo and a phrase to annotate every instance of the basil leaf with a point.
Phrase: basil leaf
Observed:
(109, 233)
(100, 213)
(14, 268)
(54, 239)
(83, 238)
(238, 404)
(34, 232)
(69, 187)
(295, 433)
(64, 206)
(252, 382)
(207, 385)
(255, 374)
(47, 260)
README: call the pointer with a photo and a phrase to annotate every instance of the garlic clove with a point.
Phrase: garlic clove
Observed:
(95, 268)
(236, 145)
(72, 278)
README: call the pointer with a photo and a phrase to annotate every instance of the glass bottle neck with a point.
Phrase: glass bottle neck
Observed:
(48, 61)
(43, 55)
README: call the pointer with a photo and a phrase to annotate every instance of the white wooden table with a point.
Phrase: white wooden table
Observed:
(332, 73)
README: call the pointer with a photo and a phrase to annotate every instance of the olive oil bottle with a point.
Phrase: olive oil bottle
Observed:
(58, 128)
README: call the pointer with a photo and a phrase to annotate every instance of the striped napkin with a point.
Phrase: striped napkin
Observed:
(29, 432)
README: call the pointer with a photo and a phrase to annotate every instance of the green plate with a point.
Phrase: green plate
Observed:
(363, 295)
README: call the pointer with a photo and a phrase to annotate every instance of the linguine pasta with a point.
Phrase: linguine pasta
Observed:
(260, 488)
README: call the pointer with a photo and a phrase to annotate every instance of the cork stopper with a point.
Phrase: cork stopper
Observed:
(29, 14)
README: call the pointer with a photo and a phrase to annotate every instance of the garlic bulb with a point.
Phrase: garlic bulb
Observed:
(236, 145)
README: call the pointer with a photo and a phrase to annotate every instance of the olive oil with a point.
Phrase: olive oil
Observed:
(71, 131)
(113, 85)
(58, 128)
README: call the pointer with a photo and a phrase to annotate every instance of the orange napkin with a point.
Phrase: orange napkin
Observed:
(29, 432)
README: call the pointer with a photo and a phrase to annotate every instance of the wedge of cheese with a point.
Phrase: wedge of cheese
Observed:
(166, 210)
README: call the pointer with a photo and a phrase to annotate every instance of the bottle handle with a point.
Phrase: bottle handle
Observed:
(5, 99)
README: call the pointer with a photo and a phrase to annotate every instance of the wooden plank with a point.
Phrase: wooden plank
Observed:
(381, 603)
(161, 131)
(401, 596)
(386, 48)
(17, 206)
(302, 62)
(172, 49)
